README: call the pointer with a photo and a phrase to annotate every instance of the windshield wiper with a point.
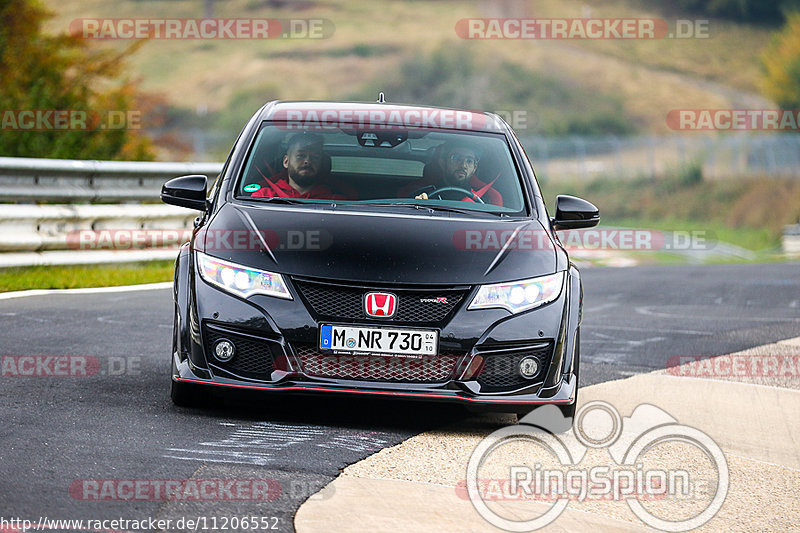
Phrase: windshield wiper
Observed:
(430, 208)
(277, 200)
(460, 210)
(290, 201)
(389, 204)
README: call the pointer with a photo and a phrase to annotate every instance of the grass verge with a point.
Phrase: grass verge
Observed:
(753, 239)
(82, 276)
(749, 213)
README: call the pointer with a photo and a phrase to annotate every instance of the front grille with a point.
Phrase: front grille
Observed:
(337, 302)
(501, 370)
(254, 355)
(428, 369)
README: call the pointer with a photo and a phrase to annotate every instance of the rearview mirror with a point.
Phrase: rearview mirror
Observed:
(574, 213)
(186, 191)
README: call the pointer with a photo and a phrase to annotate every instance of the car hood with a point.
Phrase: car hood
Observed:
(395, 248)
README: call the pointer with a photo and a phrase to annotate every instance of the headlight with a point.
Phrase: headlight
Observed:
(241, 280)
(518, 296)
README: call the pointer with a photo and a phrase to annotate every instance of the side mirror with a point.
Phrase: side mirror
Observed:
(186, 191)
(574, 213)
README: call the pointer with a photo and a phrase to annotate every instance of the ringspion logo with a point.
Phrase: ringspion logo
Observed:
(563, 471)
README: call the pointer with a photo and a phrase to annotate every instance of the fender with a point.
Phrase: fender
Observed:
(181, 299)
(575, 316)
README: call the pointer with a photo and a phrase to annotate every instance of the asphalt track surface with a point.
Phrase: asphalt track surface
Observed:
(119, 423)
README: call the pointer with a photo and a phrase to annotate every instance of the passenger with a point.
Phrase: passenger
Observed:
(455, 165)
(302, 174)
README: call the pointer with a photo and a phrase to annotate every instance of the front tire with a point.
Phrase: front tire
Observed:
(182, 394)
(186, 394)
(568, 411)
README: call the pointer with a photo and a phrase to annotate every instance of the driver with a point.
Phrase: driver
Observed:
(455, 166)
(301, 178)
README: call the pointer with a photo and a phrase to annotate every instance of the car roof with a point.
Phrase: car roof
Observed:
(369, 114)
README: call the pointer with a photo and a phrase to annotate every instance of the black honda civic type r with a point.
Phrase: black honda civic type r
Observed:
(376, 249)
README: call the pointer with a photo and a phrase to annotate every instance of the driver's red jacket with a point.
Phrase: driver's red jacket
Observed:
(484, 191)
(282, 189)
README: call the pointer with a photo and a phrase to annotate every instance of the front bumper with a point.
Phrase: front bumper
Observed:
(564, 395)
(286, 325)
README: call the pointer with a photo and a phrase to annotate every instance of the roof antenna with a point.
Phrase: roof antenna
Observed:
(381, 98)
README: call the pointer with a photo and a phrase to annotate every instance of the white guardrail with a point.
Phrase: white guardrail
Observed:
(791, 239)
(47, 214)
(47, 218)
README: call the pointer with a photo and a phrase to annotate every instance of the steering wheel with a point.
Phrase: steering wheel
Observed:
(439, 191)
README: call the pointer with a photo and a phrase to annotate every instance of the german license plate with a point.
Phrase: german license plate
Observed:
(403, 341)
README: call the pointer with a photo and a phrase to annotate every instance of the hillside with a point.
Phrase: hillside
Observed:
(636, 81)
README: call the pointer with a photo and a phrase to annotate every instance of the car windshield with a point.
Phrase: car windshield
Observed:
(453, 171)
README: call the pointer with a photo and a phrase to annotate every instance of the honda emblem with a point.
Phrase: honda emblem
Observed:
(380, 304)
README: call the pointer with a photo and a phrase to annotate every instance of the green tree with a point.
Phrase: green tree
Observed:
(41, 72)
(782, 65)
(766, 11)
